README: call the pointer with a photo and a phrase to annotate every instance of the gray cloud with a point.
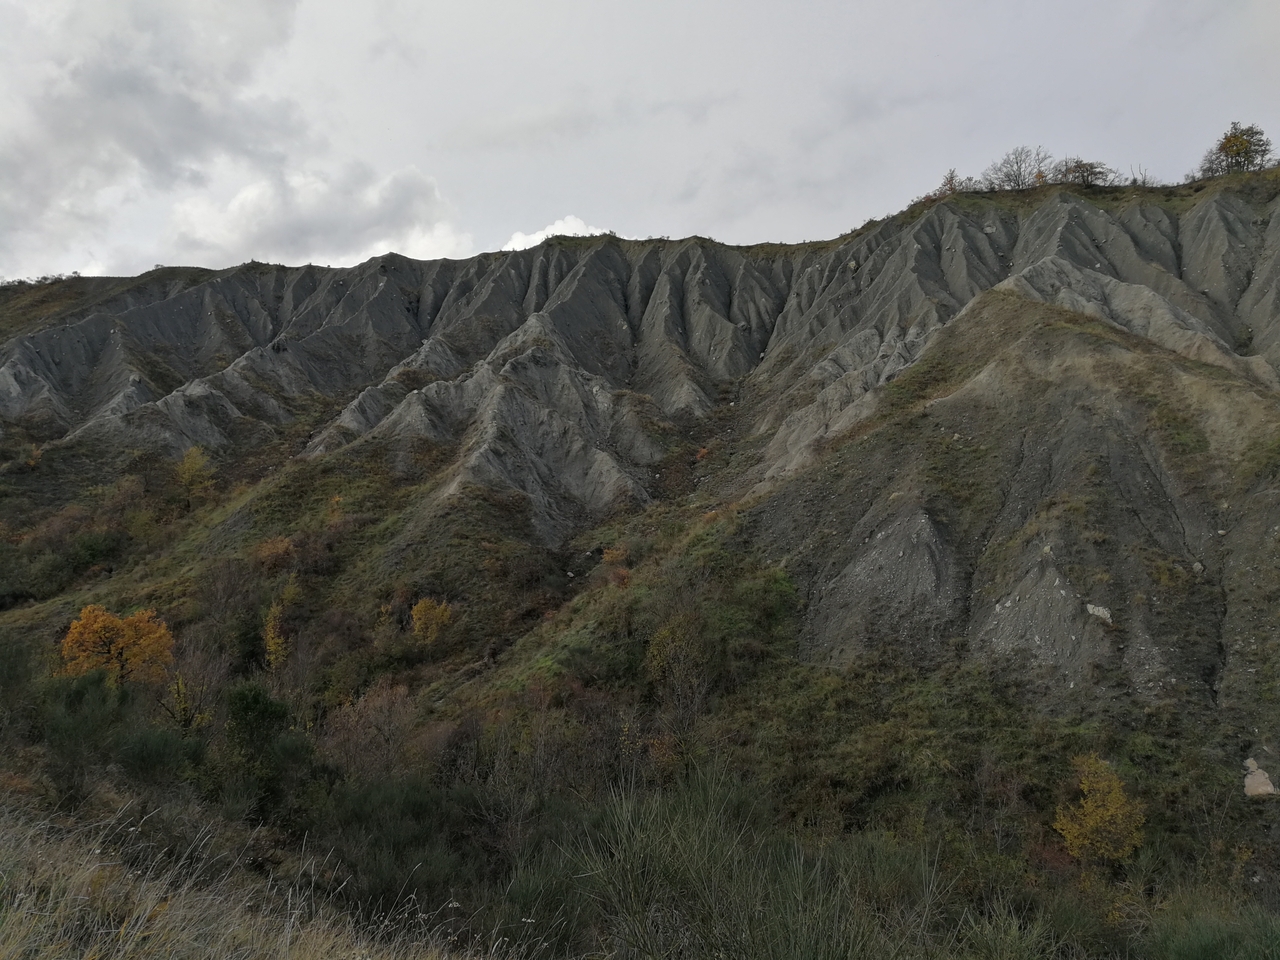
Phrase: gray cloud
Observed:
(130, 96)
(342, 216)
(149, 110)
(136, 131)
(539, 127)
(574, 118)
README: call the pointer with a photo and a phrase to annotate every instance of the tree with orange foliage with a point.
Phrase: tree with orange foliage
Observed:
(135, 649)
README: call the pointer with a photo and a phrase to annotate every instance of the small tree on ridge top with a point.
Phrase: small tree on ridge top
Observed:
(1020, 168)
(1084, 173)
(1240, 149)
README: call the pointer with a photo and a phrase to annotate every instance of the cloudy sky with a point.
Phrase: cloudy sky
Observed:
(136, 132)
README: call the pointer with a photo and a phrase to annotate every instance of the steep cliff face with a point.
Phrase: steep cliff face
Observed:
(1038, 430)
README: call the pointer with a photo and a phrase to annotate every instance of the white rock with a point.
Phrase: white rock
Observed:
(1256, 781)
(1102, 613)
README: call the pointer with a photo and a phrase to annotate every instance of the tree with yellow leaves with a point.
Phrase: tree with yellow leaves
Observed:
(137, 648)
(194, 474)
(1105, 824)
(184, 704)
(680, 661)
(429, 618)
(273, 636)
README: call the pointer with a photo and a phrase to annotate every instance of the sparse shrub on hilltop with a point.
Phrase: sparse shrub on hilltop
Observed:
(1024, 168)
(1241, 149)
(1019, 169)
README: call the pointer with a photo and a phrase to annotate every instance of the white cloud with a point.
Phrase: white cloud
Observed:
(569, 226)
(440, 241)
(321, 215)
(111, 100)
(136, 130)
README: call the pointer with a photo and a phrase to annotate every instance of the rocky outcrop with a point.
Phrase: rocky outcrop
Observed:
(1135, 308)
(903, 587)
(1061, 496)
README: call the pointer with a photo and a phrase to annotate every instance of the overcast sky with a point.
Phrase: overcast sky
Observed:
(136, 132)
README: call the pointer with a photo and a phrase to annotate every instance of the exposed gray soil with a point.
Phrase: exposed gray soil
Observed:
(1031, 433)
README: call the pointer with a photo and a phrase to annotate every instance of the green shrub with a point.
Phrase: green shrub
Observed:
(81, 717)
(92, 547)
(17, 693)
(264, 764)
(1197, 925)
(254, 720)
(406, 837)
(697, 872)
(156, 754)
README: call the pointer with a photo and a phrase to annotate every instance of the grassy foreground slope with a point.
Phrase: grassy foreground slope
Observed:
(92, 890)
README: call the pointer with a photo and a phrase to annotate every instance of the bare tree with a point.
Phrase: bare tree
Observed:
(1020, 168)
(227, 592)
(1084, 173)
(954, 183)
(371, 737)
(1240, 149)
(196, 683)
(1142, 177)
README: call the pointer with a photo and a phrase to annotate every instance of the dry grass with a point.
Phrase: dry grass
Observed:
(69, 892)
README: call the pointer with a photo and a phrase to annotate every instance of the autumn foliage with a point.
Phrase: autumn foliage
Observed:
(1105, 824)
(194, 473)
(615, 563)
(137, 648)
(1241, 148)
(273, 636)
(429, 618)
(275, 553)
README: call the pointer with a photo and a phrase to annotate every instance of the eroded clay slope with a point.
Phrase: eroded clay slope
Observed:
(556, 372)
(1047, 489)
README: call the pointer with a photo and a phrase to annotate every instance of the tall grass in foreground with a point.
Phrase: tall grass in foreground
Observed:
(694, 872)
(690, 875)
(70, 894)
(693, 879)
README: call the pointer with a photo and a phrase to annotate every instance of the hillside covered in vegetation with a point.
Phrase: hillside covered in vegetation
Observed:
(913, 591)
